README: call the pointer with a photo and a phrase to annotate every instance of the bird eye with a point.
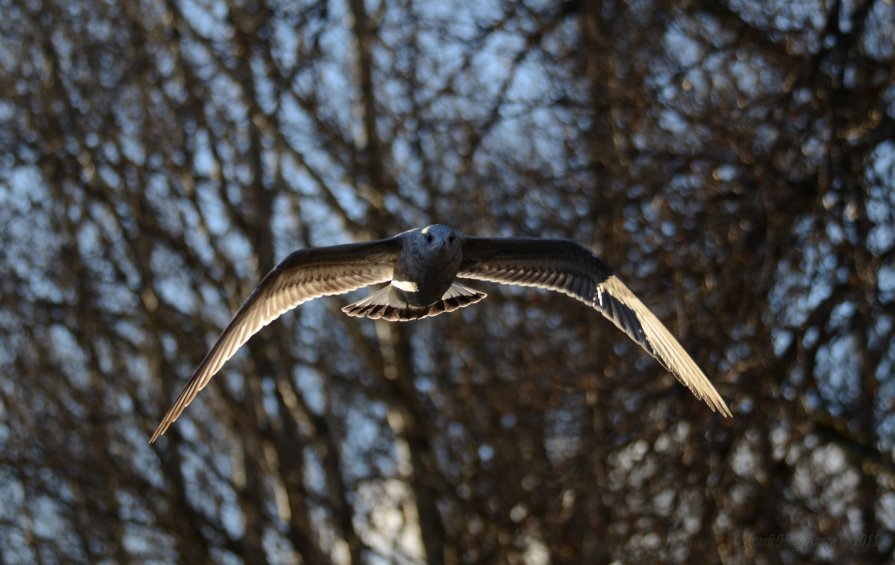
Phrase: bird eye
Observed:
(429, 237)
(451, 238)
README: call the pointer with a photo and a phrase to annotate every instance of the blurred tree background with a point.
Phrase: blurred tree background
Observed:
(733, 160)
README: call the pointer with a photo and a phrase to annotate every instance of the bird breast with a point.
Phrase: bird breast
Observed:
(423, 278)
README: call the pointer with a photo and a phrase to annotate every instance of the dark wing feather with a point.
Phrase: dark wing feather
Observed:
(304, 275)
(566, 267)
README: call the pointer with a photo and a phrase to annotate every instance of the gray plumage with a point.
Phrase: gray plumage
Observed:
(422, 267)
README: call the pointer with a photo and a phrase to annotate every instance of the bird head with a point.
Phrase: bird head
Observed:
(439, 239)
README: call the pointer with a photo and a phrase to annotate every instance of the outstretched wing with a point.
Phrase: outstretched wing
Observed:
(566, 267)
(303, 275)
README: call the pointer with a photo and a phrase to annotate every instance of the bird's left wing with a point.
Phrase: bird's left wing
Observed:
(566, 267)
(303, 275)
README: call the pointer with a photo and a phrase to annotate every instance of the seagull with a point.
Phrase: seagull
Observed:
(422, 267)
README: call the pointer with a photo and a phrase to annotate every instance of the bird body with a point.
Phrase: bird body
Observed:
(422, 267)
(428, 261)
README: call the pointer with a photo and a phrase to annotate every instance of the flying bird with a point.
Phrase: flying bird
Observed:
(422, 267)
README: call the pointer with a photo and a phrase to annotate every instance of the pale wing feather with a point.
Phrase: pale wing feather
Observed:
(566, 267)
(304, 275)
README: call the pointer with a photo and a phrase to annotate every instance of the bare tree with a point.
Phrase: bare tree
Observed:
(734, 161)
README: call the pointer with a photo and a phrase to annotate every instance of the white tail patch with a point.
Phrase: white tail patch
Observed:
(406, 286)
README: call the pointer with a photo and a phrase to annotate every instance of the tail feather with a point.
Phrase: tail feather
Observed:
(385, 304)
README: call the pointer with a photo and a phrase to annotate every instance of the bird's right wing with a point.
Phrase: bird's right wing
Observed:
(303, 275)
(566, 267)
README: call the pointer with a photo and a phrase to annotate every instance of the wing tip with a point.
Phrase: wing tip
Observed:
(717, 404)
(186, 397)
(159, 431)
(722, 408)
(709, 396)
